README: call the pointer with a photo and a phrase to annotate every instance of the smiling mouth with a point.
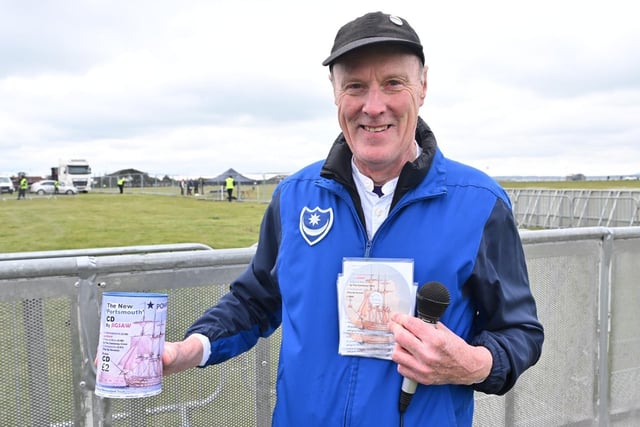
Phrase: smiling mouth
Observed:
(375, 128)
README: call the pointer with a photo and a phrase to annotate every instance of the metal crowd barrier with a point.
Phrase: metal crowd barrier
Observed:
(549, 208)
(584, 280)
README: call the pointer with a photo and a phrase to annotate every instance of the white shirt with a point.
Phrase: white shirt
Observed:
(375, 209)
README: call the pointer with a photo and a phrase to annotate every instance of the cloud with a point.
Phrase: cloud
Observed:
(193, 88)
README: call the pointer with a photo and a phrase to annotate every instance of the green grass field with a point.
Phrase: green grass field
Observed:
(107, 220)
(98, 220)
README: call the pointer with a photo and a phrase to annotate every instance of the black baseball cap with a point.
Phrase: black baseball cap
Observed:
(373, 28)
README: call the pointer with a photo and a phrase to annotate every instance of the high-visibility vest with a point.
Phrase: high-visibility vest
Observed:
(24, 184)
(230, 182)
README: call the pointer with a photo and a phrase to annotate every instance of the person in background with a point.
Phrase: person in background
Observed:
(230, 184)
(23, 186)
(56, 187)
(121, 184)
(385, 191)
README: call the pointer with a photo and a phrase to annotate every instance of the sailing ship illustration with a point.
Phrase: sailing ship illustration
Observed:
(374, 312)
(141, 365)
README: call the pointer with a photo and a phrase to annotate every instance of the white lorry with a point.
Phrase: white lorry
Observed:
(76, 172)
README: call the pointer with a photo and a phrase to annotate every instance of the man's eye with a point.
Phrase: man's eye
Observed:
(354, 89)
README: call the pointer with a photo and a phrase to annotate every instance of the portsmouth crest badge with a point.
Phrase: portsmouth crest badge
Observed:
(315, 223)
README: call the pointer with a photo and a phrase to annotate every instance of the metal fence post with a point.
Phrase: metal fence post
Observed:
(604, 322)
(95, 411)
(263, 383)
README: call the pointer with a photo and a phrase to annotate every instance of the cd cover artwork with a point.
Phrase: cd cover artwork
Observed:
(369, 291)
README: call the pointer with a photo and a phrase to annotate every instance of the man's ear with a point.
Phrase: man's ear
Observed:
(423, 81)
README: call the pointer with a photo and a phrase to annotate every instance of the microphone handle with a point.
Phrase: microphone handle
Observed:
(406, 393)
(409, 387)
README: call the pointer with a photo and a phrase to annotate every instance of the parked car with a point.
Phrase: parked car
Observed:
(47, 186)
(6, 185)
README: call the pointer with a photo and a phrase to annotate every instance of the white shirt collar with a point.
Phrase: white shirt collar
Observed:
(375, 208)
(365, 183)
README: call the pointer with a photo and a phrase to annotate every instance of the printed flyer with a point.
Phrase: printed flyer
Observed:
(132, 332)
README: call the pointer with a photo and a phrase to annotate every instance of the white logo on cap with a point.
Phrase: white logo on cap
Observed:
(396, 20)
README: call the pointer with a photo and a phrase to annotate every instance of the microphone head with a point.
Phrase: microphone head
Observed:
(432, 301)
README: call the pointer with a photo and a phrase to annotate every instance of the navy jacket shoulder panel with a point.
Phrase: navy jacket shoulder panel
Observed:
(507, 321)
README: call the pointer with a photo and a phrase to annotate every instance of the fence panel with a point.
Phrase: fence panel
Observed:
(547, 208)
(560, 388)
(624, 371)
(584, 281)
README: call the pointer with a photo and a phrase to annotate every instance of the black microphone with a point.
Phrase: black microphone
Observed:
(432, 301)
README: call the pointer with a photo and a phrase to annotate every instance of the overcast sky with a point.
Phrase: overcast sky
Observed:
(194, 87)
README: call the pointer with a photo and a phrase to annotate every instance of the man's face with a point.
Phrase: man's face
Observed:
(378, 92)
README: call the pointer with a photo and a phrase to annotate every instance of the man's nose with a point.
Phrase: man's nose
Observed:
(374, 102)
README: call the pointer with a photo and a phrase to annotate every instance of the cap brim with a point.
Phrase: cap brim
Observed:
(369, 41)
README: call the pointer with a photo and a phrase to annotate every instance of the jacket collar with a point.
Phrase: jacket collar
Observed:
(337, 165)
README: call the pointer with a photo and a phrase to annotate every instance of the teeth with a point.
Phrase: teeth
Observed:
(375, 129)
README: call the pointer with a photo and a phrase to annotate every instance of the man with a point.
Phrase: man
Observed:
(56, 187)
(230, 184)
(385, 192)
(23, 186)
(121, 184)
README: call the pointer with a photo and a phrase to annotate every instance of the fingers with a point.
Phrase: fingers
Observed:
(169, 356)
(181, 355)
(419, 348)
(407, 343)
(403, 327)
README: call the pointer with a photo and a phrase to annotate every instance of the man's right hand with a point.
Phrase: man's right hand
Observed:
(182, 355)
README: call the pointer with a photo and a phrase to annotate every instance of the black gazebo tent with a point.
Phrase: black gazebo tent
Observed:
(239, 178)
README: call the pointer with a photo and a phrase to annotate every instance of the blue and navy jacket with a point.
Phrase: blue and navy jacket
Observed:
(456, 224)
